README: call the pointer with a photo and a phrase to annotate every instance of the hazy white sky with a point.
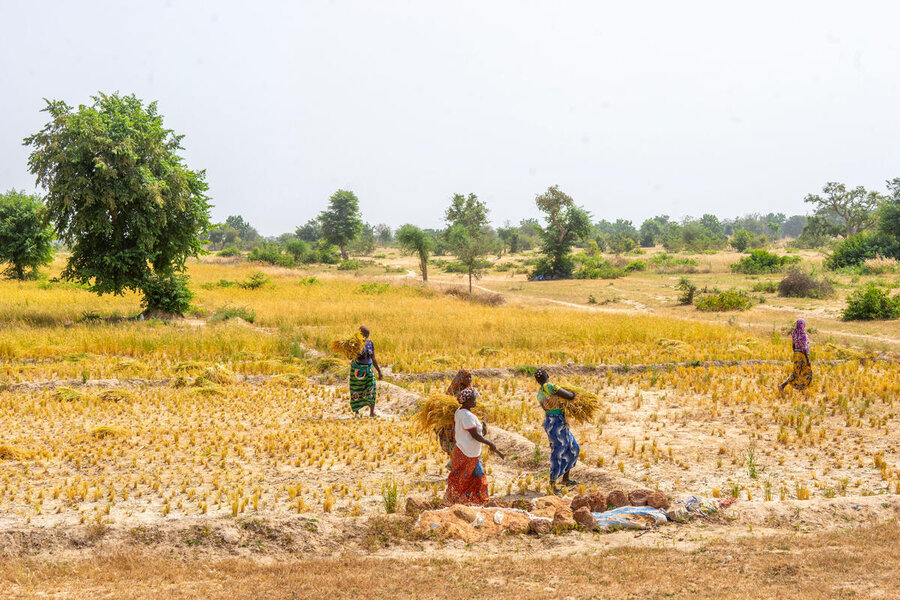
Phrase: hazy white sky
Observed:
(633, 108)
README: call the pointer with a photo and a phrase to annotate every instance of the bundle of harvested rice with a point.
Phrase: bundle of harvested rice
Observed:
(350, 347)
(437, 410)
(583, 407)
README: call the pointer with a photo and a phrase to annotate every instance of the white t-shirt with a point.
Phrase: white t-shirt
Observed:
(465, 421)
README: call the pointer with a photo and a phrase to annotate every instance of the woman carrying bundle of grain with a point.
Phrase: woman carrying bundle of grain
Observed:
(362, 379)
(461, 381)
(802, 375)
(467, 483)
(564, 449)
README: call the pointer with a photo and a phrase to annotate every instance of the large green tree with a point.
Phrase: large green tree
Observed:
(889, 213)
(121, 197)
(413, 240)
(341, 222)
(852, 211)
(468, 234)
(566, 224)
(25, 238)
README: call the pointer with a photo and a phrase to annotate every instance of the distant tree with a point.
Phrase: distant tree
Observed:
(889, 213)
(741, 240)
(467, 233)
(383, 234)
(712, 224)
(121, 198)
(310, 232)
(793, 226)
(566, 224)
(341, 221)
(853, 210)
(216, 234)
(509, 236)
(651, 231)
(413, 240)
(365, 242)
(25, 238)
(244, 230)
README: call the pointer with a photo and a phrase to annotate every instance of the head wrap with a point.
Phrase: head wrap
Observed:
(461, 381)
(540, 375)
(800, 337)
(466, 394)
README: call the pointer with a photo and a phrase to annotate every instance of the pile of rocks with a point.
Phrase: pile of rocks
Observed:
(544, 515)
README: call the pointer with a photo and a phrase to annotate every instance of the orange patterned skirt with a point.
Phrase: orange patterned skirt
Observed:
(467, 483)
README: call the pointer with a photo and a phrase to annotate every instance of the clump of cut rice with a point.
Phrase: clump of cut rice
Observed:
(583, 407)
(349, 348)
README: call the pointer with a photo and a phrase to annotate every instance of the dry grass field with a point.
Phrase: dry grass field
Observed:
(213, 455)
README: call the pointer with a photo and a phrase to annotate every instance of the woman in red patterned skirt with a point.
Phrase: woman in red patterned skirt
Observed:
(467, 483)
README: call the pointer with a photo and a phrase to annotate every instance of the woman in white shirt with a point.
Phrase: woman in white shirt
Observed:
(467, 483)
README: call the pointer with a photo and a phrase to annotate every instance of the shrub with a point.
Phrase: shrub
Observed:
(636, 265)
(272, 254)
(688, 290)
(374, 288)
(871, 302)
(232, 251)
(761, 261)
(596, 267)
(168, 293)
(239, 312)
(798, 284)
(349, 265)
(879, 265)
(488, 299)
(765, 287)
(722, 301)
(857, 248)
(254, 281)
(666, 263)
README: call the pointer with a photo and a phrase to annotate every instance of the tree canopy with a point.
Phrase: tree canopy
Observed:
(413, 240)
(467, 233)
(341, 222)
(566, 224)
(850, 211)
(120, 196)
(25, 238)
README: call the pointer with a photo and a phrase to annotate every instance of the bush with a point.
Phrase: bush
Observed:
(349, 265)
(766, 287)
(722, 301)
(236, 312)
(374, 288)
(168, 293)
(857, 248)
(636, 265)
(272, 254)
(879, 265)
(666, 263)
(798, 284)
(254, 281)
(232, 251)
(871, 302)
(688, 290)
(761, 261)
(596, 267)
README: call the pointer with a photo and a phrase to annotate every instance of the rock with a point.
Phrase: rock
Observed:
(658, 500)
(230, 535)
(464, 513)
(498, 502)
(584, 518)
(616, 498)
(563, 521)
(580, 501)
(639, 497)
(598, 502)
(415, 507)
(540, 526)
(513, 521)
(546, 506)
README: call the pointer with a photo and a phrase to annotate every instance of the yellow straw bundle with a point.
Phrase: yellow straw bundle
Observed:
(349, 348)
(583, 407)
(437, 410)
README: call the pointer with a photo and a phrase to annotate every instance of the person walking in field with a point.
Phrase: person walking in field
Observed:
(445, 435)
(564, 450)
(467, 482)
(362, 378)
(801, 377)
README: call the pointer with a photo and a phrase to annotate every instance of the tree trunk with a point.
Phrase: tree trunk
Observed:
(423, 262)
(470, 282)
(344, 253)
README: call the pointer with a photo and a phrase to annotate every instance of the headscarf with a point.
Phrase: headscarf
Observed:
(461, 381)
(800, 337)
(466, 394)
(540, 374)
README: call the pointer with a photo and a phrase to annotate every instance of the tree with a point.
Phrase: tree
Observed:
(566, 224)
(384, 234)
(245, 231)
(510, 238)
(889, 213)
(741, 239)
(468, 234)
(341, 221)
(854, 210)
(652, 231)
(413, 240)
(25, 238)
(311, 231)
(121, 197)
